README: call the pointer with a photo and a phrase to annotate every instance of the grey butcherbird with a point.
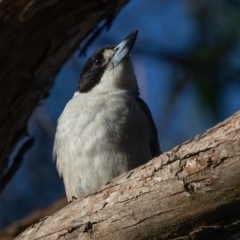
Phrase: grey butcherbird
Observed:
(106, 129)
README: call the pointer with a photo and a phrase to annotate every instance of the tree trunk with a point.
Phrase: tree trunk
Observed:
(190, 192)
(37, 37)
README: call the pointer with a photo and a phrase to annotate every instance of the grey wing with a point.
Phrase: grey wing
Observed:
(154, 144)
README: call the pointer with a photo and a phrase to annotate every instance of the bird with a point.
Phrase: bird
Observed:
(106, 129)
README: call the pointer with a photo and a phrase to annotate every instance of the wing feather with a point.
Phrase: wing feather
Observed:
(154, 144)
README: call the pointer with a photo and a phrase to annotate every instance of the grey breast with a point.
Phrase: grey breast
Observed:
(100, 139)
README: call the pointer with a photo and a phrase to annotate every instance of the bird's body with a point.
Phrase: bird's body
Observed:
(104, 130)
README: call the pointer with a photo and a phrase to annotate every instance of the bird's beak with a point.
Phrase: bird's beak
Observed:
(124, 48)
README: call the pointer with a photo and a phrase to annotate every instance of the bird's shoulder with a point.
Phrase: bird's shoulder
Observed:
(154, 144)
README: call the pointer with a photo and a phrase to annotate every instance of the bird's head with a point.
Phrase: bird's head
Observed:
(110, 69)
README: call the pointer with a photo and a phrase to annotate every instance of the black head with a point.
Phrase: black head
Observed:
(108, 65)
(93, 69)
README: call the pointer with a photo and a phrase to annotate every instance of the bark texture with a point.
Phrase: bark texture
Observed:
(37, 37)
(190, 192)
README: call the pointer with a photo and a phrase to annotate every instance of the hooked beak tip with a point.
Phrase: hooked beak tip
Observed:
(124, 49)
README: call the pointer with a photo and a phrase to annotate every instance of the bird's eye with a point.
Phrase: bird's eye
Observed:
(98, 62)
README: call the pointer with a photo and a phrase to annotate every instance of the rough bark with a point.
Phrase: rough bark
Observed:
(37, 37)
(190, 192)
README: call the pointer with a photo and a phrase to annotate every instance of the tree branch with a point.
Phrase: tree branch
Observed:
(186, 193)
(36, 38)
(17, 227)
(18, 159)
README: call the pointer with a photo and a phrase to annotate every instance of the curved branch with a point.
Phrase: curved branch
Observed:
(37, 37)
(188, 192)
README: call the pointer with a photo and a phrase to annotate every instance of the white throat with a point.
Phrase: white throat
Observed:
(121, 77)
